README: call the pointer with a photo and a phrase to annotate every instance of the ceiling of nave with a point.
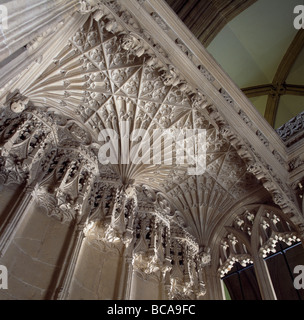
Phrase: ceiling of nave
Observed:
(95, 83)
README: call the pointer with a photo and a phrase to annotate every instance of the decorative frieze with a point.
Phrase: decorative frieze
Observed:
(292, 131)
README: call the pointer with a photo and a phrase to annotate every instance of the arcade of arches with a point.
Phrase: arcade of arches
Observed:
(74, 228)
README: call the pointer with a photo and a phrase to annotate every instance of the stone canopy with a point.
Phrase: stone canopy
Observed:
(130, 61)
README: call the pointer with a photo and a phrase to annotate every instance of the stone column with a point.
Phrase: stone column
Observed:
(72, 253)
(60, 288)
(125, 276)
(129, 277)
(15, 218)
(263, 278)
(122, 277)
(163, 294)
(213, 285)
(167, 285)
(260, 267)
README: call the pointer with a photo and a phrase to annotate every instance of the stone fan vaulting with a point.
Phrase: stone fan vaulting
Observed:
(171, 224)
